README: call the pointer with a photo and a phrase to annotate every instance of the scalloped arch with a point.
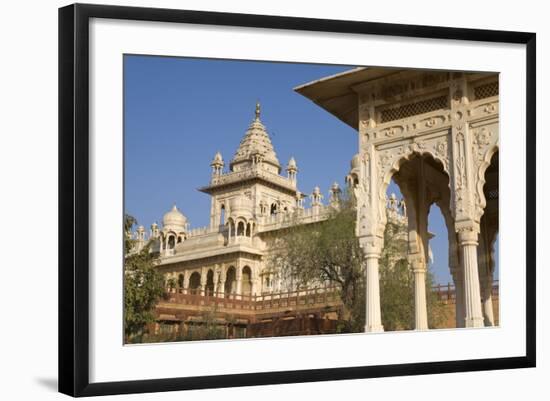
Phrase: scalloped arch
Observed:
(483, 166)
(405, 157)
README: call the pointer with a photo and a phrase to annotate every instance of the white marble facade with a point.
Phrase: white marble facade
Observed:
(435, 133)
(250, 203)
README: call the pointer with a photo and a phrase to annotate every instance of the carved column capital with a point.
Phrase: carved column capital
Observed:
(468, 235)
(371, 245)
(418, 266)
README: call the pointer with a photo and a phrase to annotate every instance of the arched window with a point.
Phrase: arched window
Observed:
(171, 242)
(240, 228)
(246, 285)
(210, 283)
(195, 281)
(222, 215)
(273, 209)
(248, 230)
(230, 284)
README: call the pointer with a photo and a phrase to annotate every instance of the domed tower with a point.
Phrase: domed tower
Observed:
(256, 148)
(217, 164)
(292, 170)
(174, 229)
(316, 200)
(155, 230)
(352, 179)
(140, 238)
(335, 193)
(241, 216)
(254, 171)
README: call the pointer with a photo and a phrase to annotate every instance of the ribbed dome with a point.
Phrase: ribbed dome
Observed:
(256, 142)
(356, 161)
(218, 159)
(174, 220)
(241, 206)
(292, 164)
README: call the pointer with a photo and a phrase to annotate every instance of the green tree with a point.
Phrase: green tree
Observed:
(209, 328)
(143, 286)
(397, 284)
(326, 251)
(329, 250)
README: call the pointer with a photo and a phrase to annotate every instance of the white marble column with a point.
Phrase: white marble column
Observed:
(185, 281)
(472, 299)
(487, 301)
(221, 281)
(458, 279)
(239, 279)
(485, 276)
(420, 304)
(253, 283)
(204, 276)
(216, 278)
(373, 320)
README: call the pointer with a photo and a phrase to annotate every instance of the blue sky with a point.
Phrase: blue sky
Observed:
(178, 112)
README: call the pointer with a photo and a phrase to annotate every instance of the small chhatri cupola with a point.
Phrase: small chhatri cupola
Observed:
(217, 164)
(255, 147)
(292, 169)
(174, 220)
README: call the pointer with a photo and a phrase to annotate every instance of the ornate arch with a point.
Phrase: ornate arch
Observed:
(484, 155)
(390, 161)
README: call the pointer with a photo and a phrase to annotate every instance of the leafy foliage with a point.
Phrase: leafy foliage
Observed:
(208, 325)
(208, 329)
(143, 286)
(326, 251)
(329, 250)
(397, 285)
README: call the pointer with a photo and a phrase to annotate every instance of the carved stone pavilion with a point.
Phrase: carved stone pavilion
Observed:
(436, 134)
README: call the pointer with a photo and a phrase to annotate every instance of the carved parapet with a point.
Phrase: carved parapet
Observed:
(255, 172)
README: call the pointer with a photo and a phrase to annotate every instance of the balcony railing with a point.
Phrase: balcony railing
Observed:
(324, 296)
(244, 302)
(447, 293)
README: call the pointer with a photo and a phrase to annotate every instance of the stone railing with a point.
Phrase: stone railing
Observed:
(196, 232)
(447, 292)
(239, 239)
(254, 172)
(266, 302)
(298, 216)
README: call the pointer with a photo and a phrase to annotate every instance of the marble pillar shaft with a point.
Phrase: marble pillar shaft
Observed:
(373, 321)
(420, 304)
(459, 300)
(472, 298)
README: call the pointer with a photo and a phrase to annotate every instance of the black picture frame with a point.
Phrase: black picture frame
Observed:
(74, 194)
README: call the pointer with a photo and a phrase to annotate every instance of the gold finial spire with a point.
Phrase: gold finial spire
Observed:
(257, 110)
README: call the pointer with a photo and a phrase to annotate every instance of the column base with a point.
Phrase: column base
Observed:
(474, 322)
(374, 329)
